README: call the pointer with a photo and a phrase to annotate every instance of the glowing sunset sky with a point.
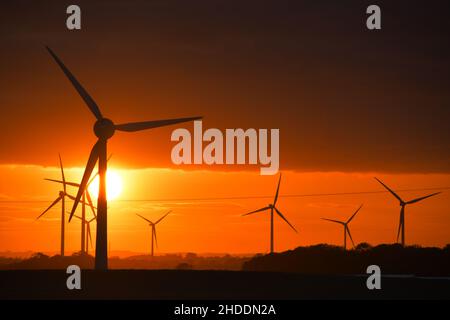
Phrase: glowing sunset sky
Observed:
(217, 226)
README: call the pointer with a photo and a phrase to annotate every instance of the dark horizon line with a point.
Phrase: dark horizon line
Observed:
(211, 253)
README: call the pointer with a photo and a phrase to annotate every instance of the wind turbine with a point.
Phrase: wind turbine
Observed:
(61, 197)
(346, 228)
(87, 223)
(401, 226)
(153, 225)
(272, 207)
(87, 196)
(104, 129)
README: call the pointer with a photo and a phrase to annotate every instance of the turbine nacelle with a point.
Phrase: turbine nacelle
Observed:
(104, 128)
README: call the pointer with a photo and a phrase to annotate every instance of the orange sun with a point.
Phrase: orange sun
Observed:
(113, 185)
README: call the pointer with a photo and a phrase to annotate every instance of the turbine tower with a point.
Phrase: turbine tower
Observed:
(153, 226)
(272, 207)
(346, 228)
(104, 129)
(401, 225)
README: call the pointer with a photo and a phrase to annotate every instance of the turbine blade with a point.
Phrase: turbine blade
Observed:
(422, 198)
(278, 189)
(62, 173)
(81, 91)
(281, 215)
(87, 174)
(73, 198)
(96, 174)
(144, 218)
(137, 126)
(89, 199)
(73, 184)
(92, 179)
(391, 191)
(52, 205)
(89, 234)
(351, 218)
(163, 217)
(76, 216)
(259, 210)
(336, 221)
(350, 235)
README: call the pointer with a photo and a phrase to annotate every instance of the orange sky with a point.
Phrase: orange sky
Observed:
(216, 226)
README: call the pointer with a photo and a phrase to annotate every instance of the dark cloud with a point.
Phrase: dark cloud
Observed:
(344, 98)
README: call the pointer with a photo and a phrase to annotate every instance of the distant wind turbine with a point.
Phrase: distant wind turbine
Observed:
(401, 226)
(87, 196)
(61, 197)
(153, 226)
(104, 129)
(272, 207)
(346, 228)
(87, 223)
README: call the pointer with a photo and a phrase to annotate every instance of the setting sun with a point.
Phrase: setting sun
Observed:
(113, 185)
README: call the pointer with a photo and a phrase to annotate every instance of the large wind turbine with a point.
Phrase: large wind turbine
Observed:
(272, 207)
(153, 226)
(403, 204)
(61, 197)
(104, 129)
(346, 228)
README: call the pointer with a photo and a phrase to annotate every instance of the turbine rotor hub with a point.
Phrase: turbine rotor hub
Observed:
(104, 128)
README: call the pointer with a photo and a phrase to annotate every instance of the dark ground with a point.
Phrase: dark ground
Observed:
(176, 284)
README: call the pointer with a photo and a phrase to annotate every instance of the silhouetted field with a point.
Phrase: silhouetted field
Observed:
(332, 260)
(168, 261)
(317, 272)
(189, 284)
(319, 259)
